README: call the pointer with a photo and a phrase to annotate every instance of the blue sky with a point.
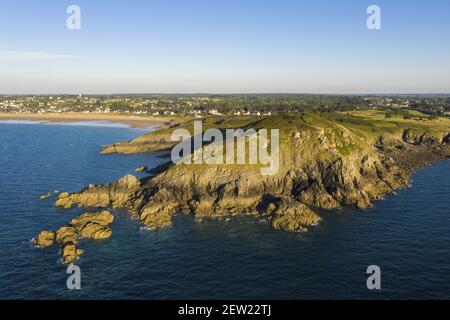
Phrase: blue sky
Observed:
(224, 46)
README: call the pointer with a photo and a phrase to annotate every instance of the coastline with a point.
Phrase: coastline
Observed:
(132, 121)
(128, 242)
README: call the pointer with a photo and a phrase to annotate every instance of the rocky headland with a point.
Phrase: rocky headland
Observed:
(149, 142)
(326, 162)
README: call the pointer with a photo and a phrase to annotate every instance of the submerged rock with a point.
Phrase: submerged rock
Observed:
(141, 169)
(45, 196)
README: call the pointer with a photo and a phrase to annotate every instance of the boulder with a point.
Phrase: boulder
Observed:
(66, 234)
(103, 218)
(70, 253)
(64, 201)
(95, 231)
(44, 239)
(293, 216)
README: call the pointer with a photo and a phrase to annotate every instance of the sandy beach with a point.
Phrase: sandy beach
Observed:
(133, 121)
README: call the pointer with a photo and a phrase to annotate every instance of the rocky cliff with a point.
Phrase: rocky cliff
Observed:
(324, 163)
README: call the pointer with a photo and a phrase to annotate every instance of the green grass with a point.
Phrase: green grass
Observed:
(350, 131)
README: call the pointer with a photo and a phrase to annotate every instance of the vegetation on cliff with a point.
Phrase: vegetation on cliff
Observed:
(326, 161)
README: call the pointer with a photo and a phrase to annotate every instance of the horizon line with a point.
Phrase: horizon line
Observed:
(229, 94)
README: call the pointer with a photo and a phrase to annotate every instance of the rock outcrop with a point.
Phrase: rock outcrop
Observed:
(67, 238)
(419, 137)
(146, 143)
(100, 196)
(44, 239)
(292, 215)
(93, 226)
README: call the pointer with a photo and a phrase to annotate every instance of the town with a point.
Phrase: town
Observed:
(208, 104)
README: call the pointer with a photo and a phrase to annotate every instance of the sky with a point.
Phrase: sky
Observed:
(224, 46)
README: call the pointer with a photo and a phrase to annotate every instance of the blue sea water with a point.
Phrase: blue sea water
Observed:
(407, 235)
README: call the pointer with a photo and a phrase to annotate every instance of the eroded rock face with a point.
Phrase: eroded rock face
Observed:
(158, 211)
(329, 181)
(89, 226)
(446, 139)
(418, 137)
(217, 191)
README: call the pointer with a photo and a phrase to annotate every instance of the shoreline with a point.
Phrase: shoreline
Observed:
(132, 121)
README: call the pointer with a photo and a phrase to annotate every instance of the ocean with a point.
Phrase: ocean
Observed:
(407, 235)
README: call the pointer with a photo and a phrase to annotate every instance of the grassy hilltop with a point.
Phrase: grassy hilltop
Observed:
(327, 160)
(366, 127)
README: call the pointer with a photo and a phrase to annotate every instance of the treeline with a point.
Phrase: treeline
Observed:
(284, 103)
